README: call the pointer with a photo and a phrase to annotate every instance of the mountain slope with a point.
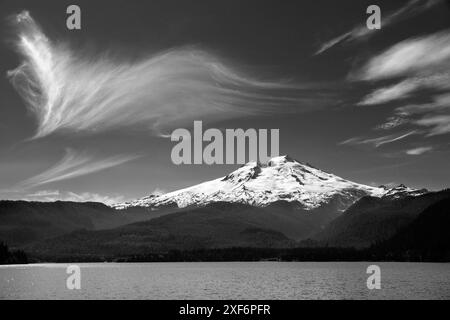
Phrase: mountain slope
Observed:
(282, 179)
(376, 219)
(23, 222)
(427, 238)
(218, 225)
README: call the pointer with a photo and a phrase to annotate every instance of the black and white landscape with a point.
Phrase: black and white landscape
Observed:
(281, 206)
(225, 149)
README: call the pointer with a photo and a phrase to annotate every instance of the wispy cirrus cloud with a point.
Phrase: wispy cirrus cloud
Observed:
(393, 122)
(412, 8)
(387, 94)
(73, 165)
(440, 103)
(421, 63)
(409, 113)
(440, 124)
(418, 151)
(407, 88)
(57, 195)
(69, 91)
(378, 141)
(411, 57)
(44, 194)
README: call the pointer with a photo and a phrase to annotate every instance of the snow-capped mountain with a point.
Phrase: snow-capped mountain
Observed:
(281, 179)
(402, 191)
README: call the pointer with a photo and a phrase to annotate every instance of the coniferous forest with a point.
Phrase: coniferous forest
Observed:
(11, 257)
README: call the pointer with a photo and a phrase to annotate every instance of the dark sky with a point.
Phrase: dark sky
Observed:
(372, 106)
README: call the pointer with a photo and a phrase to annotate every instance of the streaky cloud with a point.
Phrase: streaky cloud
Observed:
(412, 8)
(428, 56)
(441, 103)
(388, 94)
(59, 195)
(433, 115)
(393, 122)
(407, 88)
(73, 165)
(379, 141)
(440, 124)
(69, 91)
(418, 151)
(423, 64)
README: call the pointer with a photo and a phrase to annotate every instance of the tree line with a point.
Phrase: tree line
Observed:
(11, 257)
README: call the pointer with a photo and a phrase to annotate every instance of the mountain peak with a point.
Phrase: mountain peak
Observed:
(281, 179)
(280, 160)
(402, 191)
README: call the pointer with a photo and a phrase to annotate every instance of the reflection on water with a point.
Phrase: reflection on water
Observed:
(227, 280)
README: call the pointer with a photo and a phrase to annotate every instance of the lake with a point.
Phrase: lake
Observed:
(227, 280)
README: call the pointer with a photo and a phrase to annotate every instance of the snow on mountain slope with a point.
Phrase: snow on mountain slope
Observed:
(402, 191)
(261, 185)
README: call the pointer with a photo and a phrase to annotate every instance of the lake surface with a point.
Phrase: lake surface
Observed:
(227, 280)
